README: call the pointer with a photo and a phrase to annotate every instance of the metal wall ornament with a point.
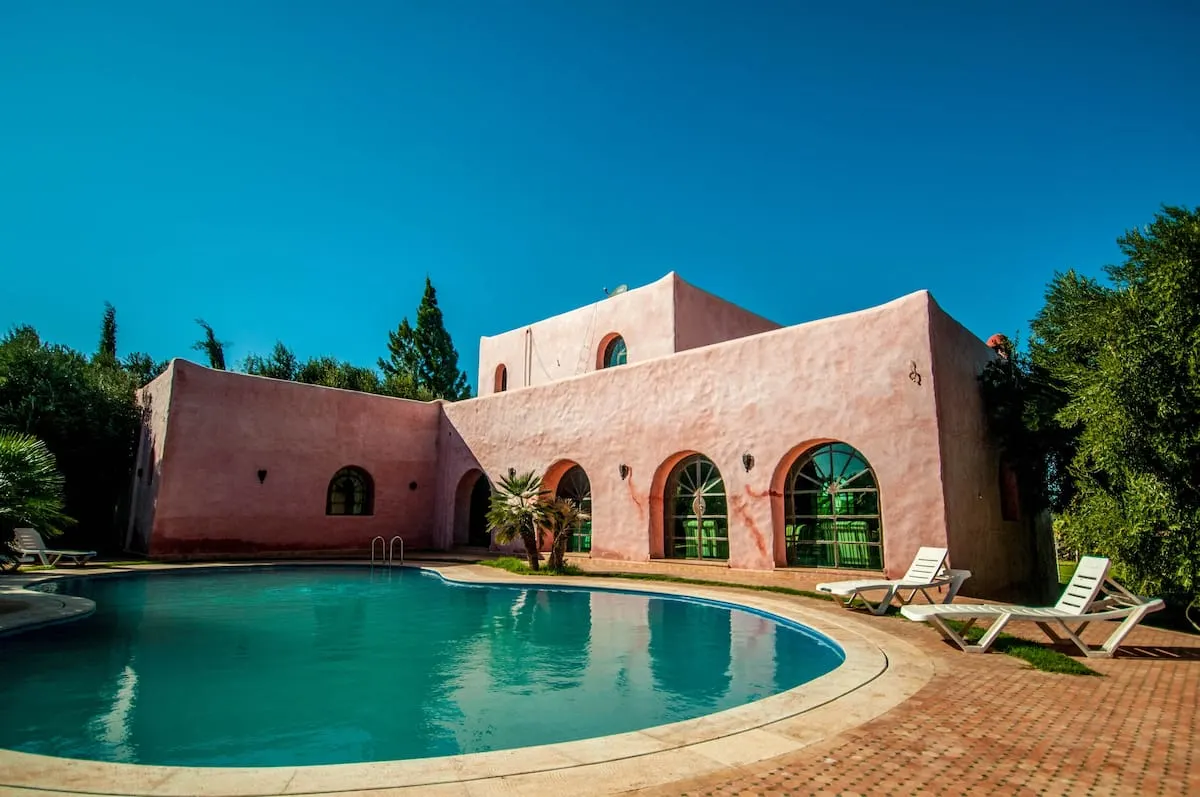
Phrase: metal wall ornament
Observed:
(623, 469)
(748, 461)
(913, 374)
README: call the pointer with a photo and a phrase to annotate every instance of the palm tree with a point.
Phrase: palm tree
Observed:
(518, 510)
(564, 517)
(31, 489)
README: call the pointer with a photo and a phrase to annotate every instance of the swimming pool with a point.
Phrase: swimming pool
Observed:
(307, 665)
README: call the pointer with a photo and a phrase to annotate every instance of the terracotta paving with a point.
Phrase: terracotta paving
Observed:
(991, 725)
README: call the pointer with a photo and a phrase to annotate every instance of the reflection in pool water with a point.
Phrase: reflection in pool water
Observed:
(305, 665)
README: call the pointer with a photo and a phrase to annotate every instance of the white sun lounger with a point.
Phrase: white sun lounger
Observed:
(1090, 596)
(29, 543)
(928, 571)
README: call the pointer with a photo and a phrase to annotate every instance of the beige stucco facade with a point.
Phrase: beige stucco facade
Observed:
(896, 382)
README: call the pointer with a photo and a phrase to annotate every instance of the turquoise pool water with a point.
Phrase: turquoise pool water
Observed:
(307, 665)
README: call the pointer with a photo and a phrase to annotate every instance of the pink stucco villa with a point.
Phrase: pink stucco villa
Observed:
(692, 429)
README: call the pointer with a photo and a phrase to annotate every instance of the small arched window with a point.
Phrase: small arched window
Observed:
(351, 492)
(614, 352)
(501, 378)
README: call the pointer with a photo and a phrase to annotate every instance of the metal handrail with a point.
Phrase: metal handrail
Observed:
(392, 550)
(382, 548)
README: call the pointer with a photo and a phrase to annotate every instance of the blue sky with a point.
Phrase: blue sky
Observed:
(293, 170)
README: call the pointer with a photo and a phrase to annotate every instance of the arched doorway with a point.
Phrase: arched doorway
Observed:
(831, 510)
(696, 525)
(575, 485)
(478, 534)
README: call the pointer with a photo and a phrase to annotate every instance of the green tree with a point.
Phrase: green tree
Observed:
(426, 352)
(331, 372)
(143, 368)
(215, 349)
(31, 489)
(87, 417)
(404, 386)
(402, 359)
(437, 367)
(563, 517)
(281, 363)
(518, 510)
(106, 353)
(1123, 364)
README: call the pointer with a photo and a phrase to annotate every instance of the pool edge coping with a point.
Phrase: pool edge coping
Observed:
(878, 673)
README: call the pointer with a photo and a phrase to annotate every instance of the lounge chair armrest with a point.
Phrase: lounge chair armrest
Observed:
(957, 577)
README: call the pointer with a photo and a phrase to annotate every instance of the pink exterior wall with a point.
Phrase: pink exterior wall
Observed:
(774, 395)
(224, 427)
(155, 401)
(1002, 555)
(846, 378)
(702, 319)
(569, 344)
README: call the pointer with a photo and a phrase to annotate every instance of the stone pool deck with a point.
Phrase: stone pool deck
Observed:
(936, 721)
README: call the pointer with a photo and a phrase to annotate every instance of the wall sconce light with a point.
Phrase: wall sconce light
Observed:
(623, 469)
(262, 476)
(748, 461)
(412, 485)
(512, 473)
(913, 374)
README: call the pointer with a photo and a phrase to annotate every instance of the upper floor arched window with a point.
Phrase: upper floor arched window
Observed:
(351, 492)
(614, 353)
(501, 383)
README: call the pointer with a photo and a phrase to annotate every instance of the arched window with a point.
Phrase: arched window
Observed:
(614, 352)
(351, 492)
(831, 510)
(697, 521)
(574, 484)
(501, 378)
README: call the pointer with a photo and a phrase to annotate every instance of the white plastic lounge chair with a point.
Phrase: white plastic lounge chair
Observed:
(1082, 602)
(928, 571)
(29, 543)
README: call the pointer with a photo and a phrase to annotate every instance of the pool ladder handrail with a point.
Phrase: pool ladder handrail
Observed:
(387, 550)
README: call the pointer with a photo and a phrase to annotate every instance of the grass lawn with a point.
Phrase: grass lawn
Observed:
(92, 564)
(519, 566)
(514, 565)
(1066, 569)
(1038, 656)
(1041, 657)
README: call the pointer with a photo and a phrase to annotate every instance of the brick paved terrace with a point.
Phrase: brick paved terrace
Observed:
(993, 725)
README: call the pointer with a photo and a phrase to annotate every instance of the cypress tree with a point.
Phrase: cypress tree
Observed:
(106, 354)
(402, 353)
(437, 359)
(425, 355)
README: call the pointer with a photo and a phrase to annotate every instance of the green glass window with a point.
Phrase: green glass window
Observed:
(574, 484)
(351, 492)
(697, 521)
(614, 352)
(831, 507)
